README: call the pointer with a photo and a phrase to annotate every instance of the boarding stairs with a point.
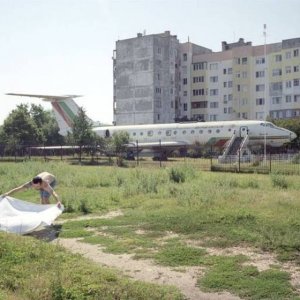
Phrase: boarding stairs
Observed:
(236, 148)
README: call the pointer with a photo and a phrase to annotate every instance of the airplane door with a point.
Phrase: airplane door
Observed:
(243, 131)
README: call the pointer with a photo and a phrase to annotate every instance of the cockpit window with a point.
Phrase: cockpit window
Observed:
(267, 124)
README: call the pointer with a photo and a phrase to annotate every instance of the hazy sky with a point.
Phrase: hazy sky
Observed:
(63, 47)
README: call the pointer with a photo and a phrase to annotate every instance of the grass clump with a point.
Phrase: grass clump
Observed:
(176, 254)
(228, 273)
(279, 181)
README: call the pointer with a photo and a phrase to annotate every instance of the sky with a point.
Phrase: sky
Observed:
(63, 47)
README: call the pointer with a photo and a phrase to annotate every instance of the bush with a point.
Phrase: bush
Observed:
(177, 175)
(279, 181)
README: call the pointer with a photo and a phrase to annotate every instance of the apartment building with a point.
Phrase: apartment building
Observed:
(144, 79)
(157, 79)
(247, 82)
(151, 79)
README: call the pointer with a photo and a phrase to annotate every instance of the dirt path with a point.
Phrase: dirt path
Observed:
(145, 270)
(185, 279)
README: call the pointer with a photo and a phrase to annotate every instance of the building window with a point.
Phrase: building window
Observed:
(213, 92)
(225, 84)
(297, 98)
(288, 69)
(225, 98)
(260, 60)
(244, 60)
(277, 72)
(276, 86)
(230, 84)
(229, 71)
(276, 100)
(260, 74)
(278, 58)
(185, 106)
(158, 90)
(296, 52)
(260, 101)
(224, 71)
(296, 68)
(184, 93)
(199, 92)
(213, 66)
(198, 79)
(200, 66)
(214, 105)
(199, 104)
(260, 87)
(184, 81)
(213, 78)
(288, 84)
(296, 82)
(184, 57)
(288, 55)
(225, 110)
(230, 97)
(212, 118)
(288, 98)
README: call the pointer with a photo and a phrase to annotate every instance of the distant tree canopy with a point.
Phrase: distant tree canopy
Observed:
(30, 126)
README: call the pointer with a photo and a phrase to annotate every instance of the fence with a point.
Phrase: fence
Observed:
(285, 163)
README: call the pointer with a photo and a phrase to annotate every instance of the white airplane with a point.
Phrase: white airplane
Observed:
(174, 135)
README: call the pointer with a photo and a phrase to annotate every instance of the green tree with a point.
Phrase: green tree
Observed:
(47, 126)
(19, 129)
(118, 144)
(82, 133)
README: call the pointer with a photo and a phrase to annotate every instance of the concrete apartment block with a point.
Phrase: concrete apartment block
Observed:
(144, 79)
(157, 79)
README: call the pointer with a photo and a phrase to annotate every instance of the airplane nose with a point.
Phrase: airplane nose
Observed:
(293, 135)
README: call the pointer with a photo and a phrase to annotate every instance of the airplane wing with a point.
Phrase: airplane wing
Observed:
(45, 97)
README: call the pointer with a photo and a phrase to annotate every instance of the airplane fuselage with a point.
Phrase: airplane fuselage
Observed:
(212, 133)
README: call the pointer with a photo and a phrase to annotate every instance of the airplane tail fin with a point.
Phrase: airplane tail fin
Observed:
(64, 107)
(65, 112)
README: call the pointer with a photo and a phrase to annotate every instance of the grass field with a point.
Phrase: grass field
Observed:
(173, 215)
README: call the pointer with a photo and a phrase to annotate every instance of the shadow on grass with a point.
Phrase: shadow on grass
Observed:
(47, 234)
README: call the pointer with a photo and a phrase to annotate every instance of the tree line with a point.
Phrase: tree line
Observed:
(32, 125)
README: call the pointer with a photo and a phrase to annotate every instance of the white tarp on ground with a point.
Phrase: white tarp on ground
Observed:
(22, 217)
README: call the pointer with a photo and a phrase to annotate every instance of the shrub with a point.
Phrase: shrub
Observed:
(177, 175)
(279, 181)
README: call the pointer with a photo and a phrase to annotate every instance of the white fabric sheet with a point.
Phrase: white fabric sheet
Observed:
(22, 217)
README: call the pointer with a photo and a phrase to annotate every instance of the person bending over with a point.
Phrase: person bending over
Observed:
(43, 182)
